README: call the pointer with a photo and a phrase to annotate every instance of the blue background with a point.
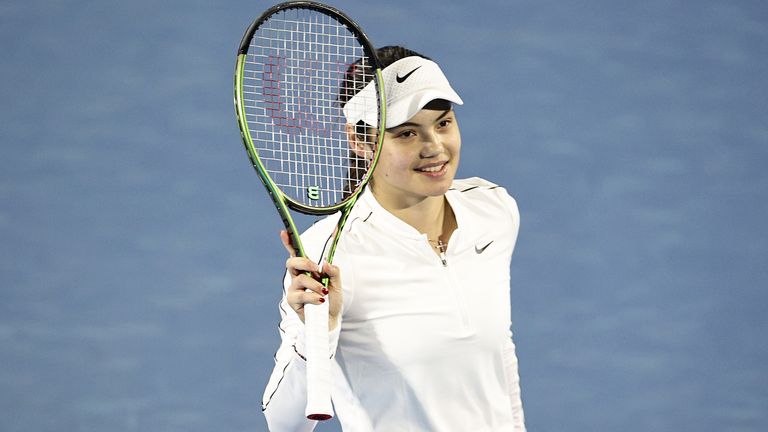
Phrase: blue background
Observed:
(139, 256)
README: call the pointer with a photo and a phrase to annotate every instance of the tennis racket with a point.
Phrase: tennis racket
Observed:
(295, 65)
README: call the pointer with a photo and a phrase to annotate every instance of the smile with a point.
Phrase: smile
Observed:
(434, 169)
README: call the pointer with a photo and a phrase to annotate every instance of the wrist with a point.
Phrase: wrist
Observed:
(333, 322)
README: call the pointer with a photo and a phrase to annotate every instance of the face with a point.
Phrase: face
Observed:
(419, 158)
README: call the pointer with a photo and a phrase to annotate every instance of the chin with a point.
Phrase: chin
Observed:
(440, 188)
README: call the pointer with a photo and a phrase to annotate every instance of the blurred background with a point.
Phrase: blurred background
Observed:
(140, 265)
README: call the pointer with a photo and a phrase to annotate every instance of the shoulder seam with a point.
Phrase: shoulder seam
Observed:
(475, 187)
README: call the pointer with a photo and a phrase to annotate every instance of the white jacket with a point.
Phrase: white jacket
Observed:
(422, 346)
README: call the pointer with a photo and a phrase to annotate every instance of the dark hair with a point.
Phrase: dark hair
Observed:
(359, 72)
(357, 77)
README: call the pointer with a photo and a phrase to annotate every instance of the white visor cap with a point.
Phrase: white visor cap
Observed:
(410, 83)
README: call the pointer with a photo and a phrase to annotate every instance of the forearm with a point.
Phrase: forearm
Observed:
(285, 396)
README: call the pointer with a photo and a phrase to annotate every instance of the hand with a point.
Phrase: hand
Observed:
(306, 289)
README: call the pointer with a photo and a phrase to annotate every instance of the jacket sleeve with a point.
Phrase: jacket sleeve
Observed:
(285, 396)
(513, 385)
(510, 356)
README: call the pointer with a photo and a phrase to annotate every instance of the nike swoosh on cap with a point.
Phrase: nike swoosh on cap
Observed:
(482, 249)
(401, 79)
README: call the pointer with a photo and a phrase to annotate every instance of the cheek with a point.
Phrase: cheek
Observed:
(383, 166)
(393, 161)
(456, 144)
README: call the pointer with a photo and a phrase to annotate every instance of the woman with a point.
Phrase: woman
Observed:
(419, 293)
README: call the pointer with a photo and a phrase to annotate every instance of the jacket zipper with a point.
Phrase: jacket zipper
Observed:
(457, 294)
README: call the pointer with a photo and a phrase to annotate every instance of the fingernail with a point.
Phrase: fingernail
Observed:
(325, 291)
(322, 300)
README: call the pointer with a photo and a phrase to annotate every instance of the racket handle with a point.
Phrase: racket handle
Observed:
(318, 362)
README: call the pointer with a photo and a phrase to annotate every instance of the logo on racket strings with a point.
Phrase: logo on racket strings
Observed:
(313, 193)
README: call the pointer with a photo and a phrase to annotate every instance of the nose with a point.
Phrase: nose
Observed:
(432, 145)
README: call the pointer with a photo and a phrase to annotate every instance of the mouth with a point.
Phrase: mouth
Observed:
(433, 170)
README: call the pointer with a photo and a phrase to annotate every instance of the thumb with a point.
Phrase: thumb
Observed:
(334, 275)
(287, 243)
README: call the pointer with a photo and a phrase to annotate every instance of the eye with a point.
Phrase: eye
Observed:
(407, 133)
(444, 123)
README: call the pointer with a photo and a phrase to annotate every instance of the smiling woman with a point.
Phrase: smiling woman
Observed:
(419, 158)
(419, 296)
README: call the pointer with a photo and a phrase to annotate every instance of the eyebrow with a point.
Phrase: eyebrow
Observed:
(411, 124)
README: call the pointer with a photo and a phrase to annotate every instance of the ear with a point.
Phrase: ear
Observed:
(358, 144)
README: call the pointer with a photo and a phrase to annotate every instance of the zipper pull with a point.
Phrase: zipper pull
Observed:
(442, 246)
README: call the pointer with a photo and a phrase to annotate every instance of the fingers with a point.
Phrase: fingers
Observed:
(306, 283)
(298, 298)
(300, 265)
(305, 290)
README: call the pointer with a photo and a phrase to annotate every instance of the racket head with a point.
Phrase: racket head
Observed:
(293, 63)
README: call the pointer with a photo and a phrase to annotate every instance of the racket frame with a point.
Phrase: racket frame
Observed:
(316, 316)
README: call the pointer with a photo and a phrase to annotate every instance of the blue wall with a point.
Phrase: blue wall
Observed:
(139, 257)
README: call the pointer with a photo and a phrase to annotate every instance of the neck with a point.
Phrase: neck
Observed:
(432, 216)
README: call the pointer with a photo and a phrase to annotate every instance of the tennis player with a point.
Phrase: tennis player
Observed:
(419, 293)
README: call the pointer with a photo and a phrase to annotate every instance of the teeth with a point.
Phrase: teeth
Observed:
(432, 169)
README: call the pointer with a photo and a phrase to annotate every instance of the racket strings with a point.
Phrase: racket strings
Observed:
(297, 64)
